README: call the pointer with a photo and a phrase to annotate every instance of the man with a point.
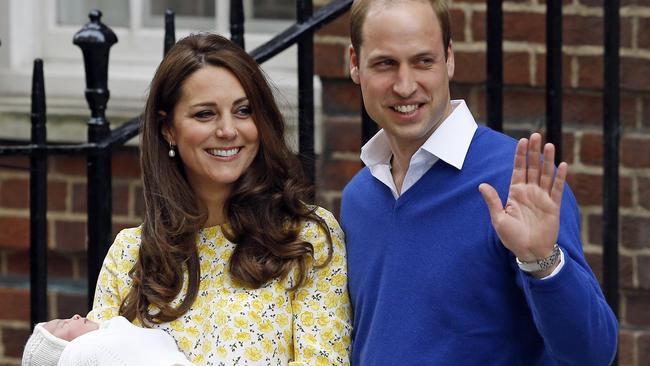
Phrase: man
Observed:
(440, 274)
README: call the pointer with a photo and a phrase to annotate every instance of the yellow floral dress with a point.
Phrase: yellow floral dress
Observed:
(232, 325)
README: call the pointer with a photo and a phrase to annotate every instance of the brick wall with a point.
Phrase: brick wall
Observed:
(66, 233)
(524, 111)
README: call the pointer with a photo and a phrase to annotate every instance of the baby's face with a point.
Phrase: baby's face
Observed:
(69, 329)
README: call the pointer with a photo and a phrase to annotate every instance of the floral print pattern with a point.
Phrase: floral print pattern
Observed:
(233, 325)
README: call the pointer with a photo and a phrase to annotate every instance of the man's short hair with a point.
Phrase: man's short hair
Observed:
(360, 9)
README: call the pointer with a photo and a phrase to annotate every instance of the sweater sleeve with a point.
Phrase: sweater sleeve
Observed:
(113, 283)
(569, 309)
(321, 308)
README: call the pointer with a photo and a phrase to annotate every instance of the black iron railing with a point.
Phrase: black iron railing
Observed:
(95, 39)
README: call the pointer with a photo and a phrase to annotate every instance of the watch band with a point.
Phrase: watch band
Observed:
(542, 264)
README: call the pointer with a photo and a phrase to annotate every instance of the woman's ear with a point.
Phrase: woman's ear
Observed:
(166, 128)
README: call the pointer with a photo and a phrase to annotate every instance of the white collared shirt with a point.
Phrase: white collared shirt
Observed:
(449, 142)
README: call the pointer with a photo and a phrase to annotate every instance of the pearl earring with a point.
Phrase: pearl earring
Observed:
(172, 152)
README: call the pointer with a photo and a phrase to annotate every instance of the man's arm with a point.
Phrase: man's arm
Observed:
(568, 309)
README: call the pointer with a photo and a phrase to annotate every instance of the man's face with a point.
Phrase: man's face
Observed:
(402, 71)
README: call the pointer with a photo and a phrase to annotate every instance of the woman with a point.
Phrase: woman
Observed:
(230, 260)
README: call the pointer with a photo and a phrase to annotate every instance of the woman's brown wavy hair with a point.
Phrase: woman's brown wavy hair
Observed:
(264, 212)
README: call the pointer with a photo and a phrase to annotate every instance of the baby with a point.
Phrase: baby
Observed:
(79, 341)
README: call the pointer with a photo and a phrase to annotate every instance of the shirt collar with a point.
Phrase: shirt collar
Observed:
(449, 142)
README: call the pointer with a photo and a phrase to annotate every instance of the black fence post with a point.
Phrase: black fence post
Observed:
(237, 22)
(495, 65)
(38, 201)
(95, 40)
(304, 10)
(170, 31)
(611, 140)
(554, 76)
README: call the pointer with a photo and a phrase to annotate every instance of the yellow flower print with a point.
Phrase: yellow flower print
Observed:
(331, 300)
(226, 333)
(307, 318)
(322, 361)
(266, 295)
(207, 347)
(241, 296)
(176, 325)
(243, 336)
(257, 305)
(309, 351)
(222, 352)
(327, 334)
(338, 279)
(309, 338)
(267, 346)
(280, 300)
(193, 332)
(323, 319)
(241, 322)
(301, 295)
(266, 326)
(323, 286)
(254, 316)
(253, 354)
(184, 343)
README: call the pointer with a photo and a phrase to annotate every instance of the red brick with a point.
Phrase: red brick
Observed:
(635, 232)
(523, 106)
(14, 304)
(58, 264)
(341, 96)
(626, 347)
(469, 67)
(342, 134)
(70, 235)
(584, 108)
(139, 201)
(540, 72)
(645, 106)
(635, 152)
(120, 202)
(591, 149)
(79, 197)
(643, 342)
(13, 340)
(516, 68)
(588, 189)
(643, 271)
(568, 141)
(595, 229)
(14, 193)
(635, 73)
(644, 193)
(524, 27)
(126, 163)
(329, 60)
(637, 308)
(68, 165)
(643, 37)
(16, 162)
(57, 193)
(70, 304)
(337, 173)
(81, 261)
(339, 27)
(590, 71)
(599, 3)
(625, 266)
(582, 30)
(457, 25)
(14, 233)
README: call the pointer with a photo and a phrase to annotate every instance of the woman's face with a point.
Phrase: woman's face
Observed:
(213, 130)
(69, 329)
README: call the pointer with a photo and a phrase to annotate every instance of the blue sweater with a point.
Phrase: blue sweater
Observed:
(431, 283)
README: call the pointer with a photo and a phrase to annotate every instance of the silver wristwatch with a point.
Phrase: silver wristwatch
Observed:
(542, 264)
